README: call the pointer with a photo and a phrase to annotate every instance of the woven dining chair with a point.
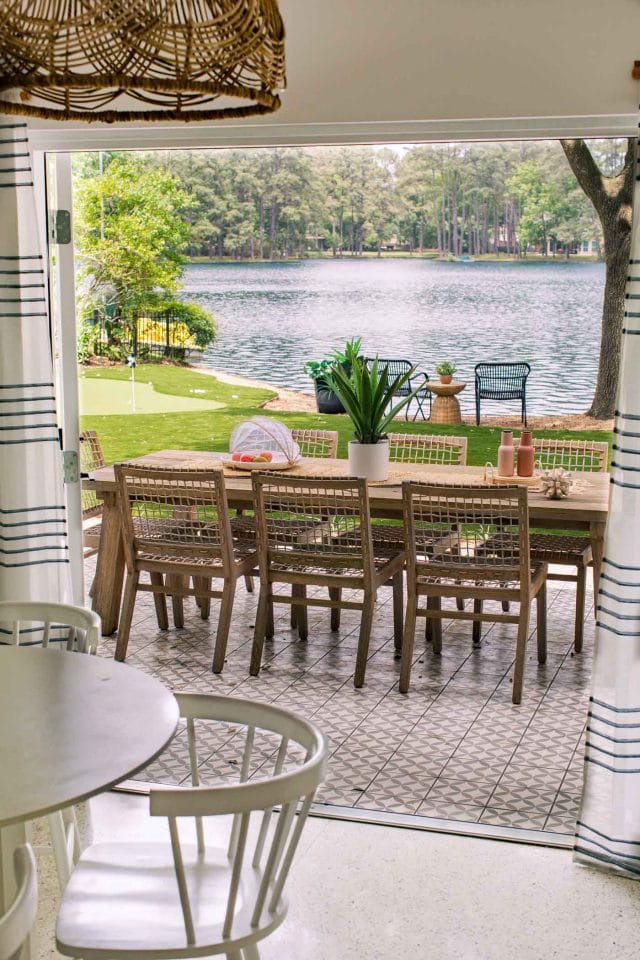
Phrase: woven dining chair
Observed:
(470, 542)
(215, 883)
(427, 448)
(565, 549)
(320, 444)
(317, 532)
(91, 458)
(316, 443)
(176, 528)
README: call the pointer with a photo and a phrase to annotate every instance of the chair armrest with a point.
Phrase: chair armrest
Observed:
(422, 377)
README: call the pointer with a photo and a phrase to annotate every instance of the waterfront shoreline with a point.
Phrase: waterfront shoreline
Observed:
(293, 401)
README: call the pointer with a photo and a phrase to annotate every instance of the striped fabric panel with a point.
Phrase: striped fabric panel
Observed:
(608, 829)
(30, 536)
(28, 414)
(15, 158)
(34, 551)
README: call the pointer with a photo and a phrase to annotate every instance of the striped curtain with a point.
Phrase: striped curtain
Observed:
(608, 830)
(34, 556)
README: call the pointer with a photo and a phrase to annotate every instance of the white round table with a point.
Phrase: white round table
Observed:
(71, 726)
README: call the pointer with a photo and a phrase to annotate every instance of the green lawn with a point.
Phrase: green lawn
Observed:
(126, 435)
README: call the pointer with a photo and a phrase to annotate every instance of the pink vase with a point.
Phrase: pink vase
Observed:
(506, 454)
(525, 454)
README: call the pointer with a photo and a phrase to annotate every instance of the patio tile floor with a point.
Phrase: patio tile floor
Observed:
(454, 748)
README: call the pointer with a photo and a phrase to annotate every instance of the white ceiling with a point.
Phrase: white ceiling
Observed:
(363, 70)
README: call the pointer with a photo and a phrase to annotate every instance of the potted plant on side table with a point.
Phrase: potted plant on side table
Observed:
(445, 371)
(367, 395)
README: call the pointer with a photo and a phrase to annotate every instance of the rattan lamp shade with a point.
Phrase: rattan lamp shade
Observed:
(162, 60)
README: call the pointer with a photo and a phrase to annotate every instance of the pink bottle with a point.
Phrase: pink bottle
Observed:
(506, 454)
(525, 454)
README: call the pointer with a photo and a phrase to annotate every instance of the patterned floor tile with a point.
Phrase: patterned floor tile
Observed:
(513, 818)
(455, 747)
(447, 810)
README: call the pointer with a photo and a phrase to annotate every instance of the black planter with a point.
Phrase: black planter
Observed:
(326, 400)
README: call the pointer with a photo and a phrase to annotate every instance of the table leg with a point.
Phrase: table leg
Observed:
(107, 589)
(597, 529)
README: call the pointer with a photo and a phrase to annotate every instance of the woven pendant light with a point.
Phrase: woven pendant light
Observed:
(163, 60)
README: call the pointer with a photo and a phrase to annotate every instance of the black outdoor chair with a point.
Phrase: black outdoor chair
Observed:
(502, 381)
(416, 380)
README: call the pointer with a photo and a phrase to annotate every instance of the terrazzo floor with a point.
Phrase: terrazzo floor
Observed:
(454, 748)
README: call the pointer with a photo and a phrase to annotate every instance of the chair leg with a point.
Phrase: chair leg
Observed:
(335, 594)
(262, 617)
(126, 616)
(203, 601)
(299, 591)
(160, 602)
(541, 623)
(224, 622)
(176, 582)
(477, 411)
(581, 590)
(408, 641)
(436, 626)
(398, 613)
(505, 606)
(248, 582)
(521, 652)
(366, 622)
(270, 630)
(476, 629)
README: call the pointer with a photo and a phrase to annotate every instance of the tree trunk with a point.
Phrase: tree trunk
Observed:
(261, 230)
(612, 199)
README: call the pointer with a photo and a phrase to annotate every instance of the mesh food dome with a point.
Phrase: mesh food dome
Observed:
(262, 433)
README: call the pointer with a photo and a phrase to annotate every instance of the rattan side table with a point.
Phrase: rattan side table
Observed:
(446, 408)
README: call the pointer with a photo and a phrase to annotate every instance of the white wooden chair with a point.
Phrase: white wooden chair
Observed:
(16, 923)
(70, 628)
(220, 889)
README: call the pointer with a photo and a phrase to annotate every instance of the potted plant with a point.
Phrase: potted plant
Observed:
(367, 395)
(326, 400)
(445, 371)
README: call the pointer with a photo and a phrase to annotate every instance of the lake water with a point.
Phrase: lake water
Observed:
(274, 317)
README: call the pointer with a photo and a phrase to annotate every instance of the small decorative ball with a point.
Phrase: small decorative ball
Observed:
(555, 484)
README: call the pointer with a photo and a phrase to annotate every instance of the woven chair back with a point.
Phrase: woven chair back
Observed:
(179, 517)
(423, 448)
(447, 529)
(312, 523)
(582, 455)
(317, 443)
(91, 458)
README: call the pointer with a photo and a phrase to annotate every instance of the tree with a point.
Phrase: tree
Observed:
(130, 236)
(612, 198)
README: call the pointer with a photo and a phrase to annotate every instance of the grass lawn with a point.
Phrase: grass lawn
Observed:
(127, 435)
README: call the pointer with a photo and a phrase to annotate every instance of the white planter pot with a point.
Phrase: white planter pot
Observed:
(369, 460)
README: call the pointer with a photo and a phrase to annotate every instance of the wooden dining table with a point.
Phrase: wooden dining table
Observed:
(585, 509)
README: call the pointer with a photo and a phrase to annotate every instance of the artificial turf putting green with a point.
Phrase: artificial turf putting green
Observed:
(100, 395)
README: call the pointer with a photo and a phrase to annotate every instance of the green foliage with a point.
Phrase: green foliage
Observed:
(318, 369)
(131, 236)
(446, 368)
(196, 318)
(367, 394)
